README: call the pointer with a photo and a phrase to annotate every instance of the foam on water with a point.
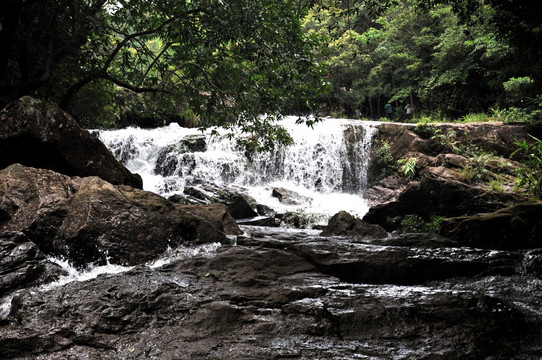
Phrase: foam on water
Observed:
(327, 164)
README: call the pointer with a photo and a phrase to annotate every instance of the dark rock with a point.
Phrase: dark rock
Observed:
(514, 227)
(370, 264)
(439, 197)
(197, 194)
(241, 209)
(22, 264)
(193, 144)
(265, 210)
(259, 221)
(421, 240)
(88, 219)
(244, 303)
(343, 223)
(166, 163)
(38, 134)
(294, 220)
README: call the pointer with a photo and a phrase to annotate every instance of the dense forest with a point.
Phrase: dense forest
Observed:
(116, 63)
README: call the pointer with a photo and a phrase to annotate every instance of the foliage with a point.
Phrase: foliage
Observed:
(447, 141)
(385, 161)
(476, 117)
(416, 224)
(530, 177)
(408, 167)
(426, 129)
(228, 61)
(516, 114)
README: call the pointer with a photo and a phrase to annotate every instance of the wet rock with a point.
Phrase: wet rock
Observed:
(514, 227)
(294, 220)
(241, 209)
(288, 197)
(22, 264)
(366, 263)
(343, 223)
(261, 303)
(259, 221)
(39, 134)
(448, 198)
(88, 219)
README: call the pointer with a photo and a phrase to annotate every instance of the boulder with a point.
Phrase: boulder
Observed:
(343, 223)
(515, 227)
(241, 209)
(441, 197)
(38, 134)
(91, 220)
(288, 197)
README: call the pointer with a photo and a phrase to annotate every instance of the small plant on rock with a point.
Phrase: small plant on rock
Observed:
(530, 177)
(385, 160)
(416, 224)
(408, 167)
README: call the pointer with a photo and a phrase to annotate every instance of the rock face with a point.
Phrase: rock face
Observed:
(442, 197)
(89, 220)
(459, 169)
(39, 134)
(515, 227)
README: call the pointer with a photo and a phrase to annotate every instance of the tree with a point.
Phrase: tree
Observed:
(229, 61)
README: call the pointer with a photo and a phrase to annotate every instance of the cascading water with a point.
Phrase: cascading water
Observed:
(326, 165)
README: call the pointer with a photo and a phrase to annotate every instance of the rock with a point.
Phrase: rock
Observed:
(289, 197)
(415, 240)
(38, 134)
(387, 190)
(90, 220)
(294, 220)
(448, 198)
(241, 209)
(452, 160)
(343, 223)
(22, 264)
(371, 264)
(259, 221)
(254, 303)
(515, 227)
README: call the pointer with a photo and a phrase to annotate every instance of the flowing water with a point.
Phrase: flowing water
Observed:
(326, 165)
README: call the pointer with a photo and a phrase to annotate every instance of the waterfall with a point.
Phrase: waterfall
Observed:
(327, 164)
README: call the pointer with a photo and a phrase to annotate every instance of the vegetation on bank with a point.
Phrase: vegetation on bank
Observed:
(116, 63)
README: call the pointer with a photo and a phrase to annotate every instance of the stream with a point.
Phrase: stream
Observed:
(278, 292)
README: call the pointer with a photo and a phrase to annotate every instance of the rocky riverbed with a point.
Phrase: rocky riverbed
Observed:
(287, 294)
(93, 267)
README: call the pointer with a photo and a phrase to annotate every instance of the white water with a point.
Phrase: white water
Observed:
(322, 165)
(76, 274)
